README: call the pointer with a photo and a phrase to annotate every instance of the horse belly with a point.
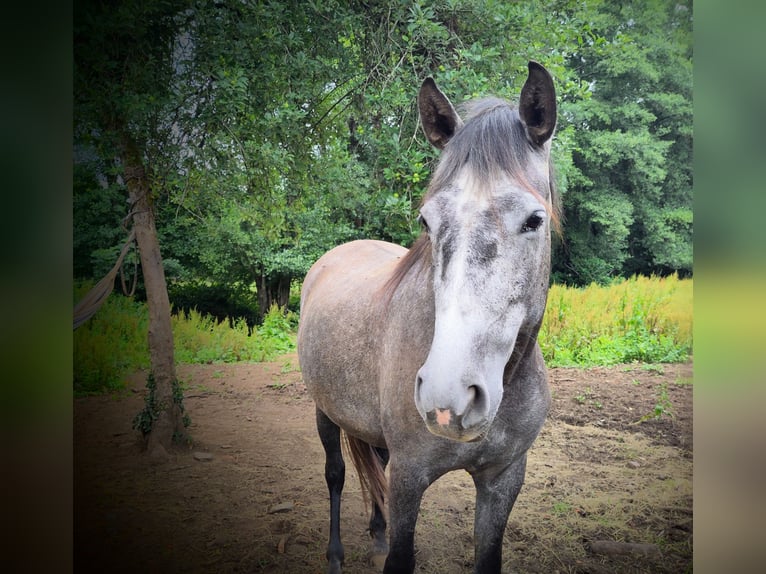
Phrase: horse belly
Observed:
(338, 334)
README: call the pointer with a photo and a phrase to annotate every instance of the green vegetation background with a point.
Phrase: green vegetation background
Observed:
(639, 319)
(272, 132)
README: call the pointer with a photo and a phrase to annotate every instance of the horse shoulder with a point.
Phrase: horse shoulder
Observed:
(340, 331)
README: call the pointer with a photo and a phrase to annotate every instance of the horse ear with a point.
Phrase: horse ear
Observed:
(537, 105)
(437, 115)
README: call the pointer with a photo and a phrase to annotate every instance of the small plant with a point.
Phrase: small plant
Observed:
(584, 396)
(663, 407)
(201, 388)
(560, 508)
(144, 420)
(656, 369)
(288, 367)
(278, 386)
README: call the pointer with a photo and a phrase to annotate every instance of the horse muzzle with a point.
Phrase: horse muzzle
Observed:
(463, 411)
(454, 429)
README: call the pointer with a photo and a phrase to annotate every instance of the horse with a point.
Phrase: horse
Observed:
(426, 360)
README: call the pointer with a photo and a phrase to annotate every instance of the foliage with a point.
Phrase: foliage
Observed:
(97, 214)
(628, 199)
(256, 119)
(113, 343)
(223, 301)
(278, 330)
(203, 339)
(274, 131)
(639, 319)
(144, 420)
(110, 344)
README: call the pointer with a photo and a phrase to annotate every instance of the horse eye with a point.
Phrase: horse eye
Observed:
(424, 223)
(532, 223)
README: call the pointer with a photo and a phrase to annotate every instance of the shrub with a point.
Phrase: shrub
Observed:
(224, 302)
(110, 344)
(640, 319)
(113, 342)
(276, 333)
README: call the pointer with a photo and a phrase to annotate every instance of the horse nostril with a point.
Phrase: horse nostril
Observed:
(478, 402)
(476, 410)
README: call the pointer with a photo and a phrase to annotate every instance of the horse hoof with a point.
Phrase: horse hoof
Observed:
(379, 550)
(378, 561)
(334, 567)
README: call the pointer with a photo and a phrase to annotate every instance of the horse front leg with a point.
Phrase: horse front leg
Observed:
(495, 495)
(406, 488)
(335, 475)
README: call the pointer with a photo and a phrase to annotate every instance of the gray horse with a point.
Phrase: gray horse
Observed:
(427, 359)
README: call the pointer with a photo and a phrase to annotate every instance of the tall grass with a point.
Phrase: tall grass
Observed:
(645, 319)
(109, 345)
(639, 319)
(114, 342)
(201, 338)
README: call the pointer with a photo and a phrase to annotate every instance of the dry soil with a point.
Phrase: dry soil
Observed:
(613, 463)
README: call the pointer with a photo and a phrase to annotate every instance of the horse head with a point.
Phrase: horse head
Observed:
(487, 215)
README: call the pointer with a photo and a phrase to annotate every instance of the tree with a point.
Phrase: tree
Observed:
(98, 212)
(123, 66)
(628, 201)
(261, 129)
(270, 132)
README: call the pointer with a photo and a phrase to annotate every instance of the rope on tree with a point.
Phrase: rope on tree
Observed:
(88, 305)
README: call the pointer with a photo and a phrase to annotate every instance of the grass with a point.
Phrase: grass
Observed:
(644, 319)
(113, 343)
(202, 339)
(110, 345)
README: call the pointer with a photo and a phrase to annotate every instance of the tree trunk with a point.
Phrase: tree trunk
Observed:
(271, 290)
(169, 421)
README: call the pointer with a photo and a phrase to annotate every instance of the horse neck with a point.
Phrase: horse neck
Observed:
(410, 308)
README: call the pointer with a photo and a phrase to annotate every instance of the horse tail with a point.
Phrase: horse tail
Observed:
(369, 466)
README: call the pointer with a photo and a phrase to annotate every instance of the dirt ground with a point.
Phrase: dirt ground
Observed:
(613, 463)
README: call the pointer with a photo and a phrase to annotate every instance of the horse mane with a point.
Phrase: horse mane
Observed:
(474, 149)
(419, 255)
